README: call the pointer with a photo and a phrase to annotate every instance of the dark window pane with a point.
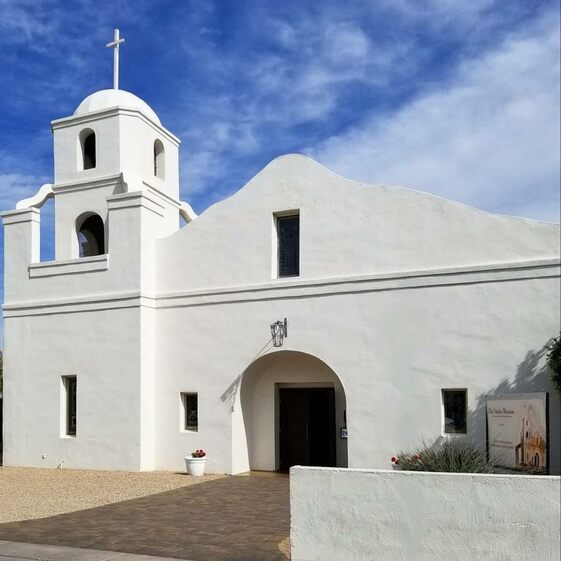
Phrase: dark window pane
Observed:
(288, 231)
(89, 151)
(455, 411)
(191, 411)
(71, 413)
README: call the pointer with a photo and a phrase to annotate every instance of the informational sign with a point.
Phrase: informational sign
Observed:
(517, 430)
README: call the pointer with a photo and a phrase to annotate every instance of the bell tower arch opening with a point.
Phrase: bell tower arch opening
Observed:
(90, 232)
(291, 411)
(87, 149)
(159, 160)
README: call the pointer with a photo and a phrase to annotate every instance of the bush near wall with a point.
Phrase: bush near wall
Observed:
(554, 362)
(449, 455)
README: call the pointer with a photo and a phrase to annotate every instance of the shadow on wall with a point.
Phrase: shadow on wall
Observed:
(229, 395)
(531, 376)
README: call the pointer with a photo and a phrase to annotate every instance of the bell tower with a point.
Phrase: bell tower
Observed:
(113, 143)
(112, 151)
(116, 191)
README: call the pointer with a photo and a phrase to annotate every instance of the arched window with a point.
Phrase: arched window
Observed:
(91, 235)
(159, 160)
(87, 144)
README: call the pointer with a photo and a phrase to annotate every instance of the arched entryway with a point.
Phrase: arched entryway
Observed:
(291, 410)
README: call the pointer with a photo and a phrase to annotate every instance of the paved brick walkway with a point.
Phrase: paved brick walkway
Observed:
(231, 519)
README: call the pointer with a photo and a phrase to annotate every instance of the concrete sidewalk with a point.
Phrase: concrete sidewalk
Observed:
(15, 551)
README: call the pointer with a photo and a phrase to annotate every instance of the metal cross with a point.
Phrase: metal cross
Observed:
(115, 45)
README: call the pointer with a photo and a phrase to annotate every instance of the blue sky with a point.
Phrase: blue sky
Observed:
(460, 99)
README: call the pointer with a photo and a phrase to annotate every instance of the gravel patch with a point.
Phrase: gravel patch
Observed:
(27, 493)
(284, 547)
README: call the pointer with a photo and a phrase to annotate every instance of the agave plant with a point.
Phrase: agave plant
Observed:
(448, 455)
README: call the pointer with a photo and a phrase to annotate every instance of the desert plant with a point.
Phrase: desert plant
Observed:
(554, 362)
(448, 455)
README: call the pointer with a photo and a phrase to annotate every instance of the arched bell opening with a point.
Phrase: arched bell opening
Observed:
(159, 160)
(291, 411)
(88, 149)
(90, 232)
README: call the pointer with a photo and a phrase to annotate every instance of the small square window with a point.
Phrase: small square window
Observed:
(288, 245)
(70, 386)
(190, 403)
(454, 403)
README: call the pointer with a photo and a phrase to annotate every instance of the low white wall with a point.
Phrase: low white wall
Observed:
(362, 515)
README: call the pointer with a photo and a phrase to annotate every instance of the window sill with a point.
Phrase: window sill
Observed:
(68, 436)
(69, 267)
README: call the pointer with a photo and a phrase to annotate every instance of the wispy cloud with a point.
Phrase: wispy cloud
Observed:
(25, 22)
(312, 61)
(456, 98)
(313, 78)
(489, 136)
(17, 186)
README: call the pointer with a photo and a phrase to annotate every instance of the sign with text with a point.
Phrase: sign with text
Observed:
(517, 430)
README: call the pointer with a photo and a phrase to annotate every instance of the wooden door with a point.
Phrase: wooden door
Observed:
(306, 427)
(293, 426)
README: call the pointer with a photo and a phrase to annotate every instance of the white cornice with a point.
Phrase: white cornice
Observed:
(135, 199)
(108, 113)
(185, 209)
(69, 266)
(283, 289)
(280, 288)
(88, 183)
(20, 215)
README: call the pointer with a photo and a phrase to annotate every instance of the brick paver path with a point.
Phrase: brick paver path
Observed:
(230, 519)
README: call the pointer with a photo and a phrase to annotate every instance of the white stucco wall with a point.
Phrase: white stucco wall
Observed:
(361, 515)
(393, 350)
(103, 351)
(346, 229)
(85, 317)
(401, 294)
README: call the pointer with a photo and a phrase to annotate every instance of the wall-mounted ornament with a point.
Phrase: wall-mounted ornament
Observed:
(279, 330)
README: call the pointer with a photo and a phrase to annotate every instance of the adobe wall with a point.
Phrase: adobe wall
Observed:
(392, 516)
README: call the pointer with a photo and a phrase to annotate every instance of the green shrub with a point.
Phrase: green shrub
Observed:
(449, 455)
(554, 362)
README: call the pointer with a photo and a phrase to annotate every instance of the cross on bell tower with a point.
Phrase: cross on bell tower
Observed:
(115, 46)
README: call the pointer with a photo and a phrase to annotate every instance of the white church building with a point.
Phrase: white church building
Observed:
(307, 319)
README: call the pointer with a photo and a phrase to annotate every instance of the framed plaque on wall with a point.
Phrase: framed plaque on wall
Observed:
(517, 431)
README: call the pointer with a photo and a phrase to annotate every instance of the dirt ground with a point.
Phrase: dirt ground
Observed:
(27, 493)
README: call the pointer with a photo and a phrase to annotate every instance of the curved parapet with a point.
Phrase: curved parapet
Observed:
(38, 200)
(186, 212)
(347, 229)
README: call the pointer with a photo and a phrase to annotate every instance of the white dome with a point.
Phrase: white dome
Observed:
(104, 99)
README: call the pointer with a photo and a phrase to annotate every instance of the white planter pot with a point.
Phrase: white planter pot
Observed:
(195, 466)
